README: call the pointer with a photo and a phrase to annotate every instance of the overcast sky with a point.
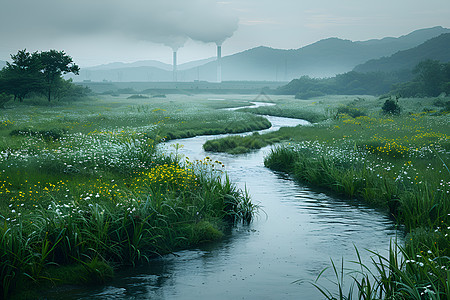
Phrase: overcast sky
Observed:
(102, 31)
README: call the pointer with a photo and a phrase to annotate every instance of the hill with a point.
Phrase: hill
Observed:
(325, 58)
(436, 49)
(150, 64)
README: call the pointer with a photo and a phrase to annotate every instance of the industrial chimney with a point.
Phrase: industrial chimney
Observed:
(219, 63)
(174, 66)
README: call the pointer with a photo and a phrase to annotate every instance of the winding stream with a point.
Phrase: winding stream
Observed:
(293, 240)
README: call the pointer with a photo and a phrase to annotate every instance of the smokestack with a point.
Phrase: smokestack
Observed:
(174, 66)
(219, 63)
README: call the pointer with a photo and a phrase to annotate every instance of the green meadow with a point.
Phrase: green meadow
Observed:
(84, 187)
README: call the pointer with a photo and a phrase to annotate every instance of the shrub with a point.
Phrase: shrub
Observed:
(51, 134)
(351, 111)
(138, 97)
(391, 107)
(159, 96)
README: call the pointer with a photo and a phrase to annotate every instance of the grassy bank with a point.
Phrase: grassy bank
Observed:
(176, 116)
(240, 144)
(397, 163)
(316, 110)
(84, 188)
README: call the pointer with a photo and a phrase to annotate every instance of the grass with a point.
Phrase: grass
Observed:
(291, 108)
(106, 113)
(238, 144)
(397, 163)
(84, 188)
(402, 159)
(397, 275)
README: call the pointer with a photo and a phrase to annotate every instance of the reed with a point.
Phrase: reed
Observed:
(397, 275)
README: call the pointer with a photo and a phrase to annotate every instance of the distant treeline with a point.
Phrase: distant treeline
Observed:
(432, 78)
(429, 78)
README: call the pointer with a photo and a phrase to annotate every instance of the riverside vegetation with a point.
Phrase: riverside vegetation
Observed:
(84, 187)
(399, 162)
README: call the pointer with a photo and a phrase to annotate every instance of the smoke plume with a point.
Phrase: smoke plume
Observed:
(169, 22)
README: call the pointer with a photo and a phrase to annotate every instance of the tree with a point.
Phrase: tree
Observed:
(22, 76)
(36, 72)
(53, 65)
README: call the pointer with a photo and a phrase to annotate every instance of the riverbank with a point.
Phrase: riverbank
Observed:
(293, 237)
(84, 188)
(399, 163)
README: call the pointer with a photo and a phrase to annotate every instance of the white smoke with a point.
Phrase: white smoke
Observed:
(170, 22)
(211, 24)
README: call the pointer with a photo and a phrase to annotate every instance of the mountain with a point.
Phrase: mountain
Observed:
(194, 64)
(436, 48)
(410, 40)
(121, 65)
(151, 64)
(148, 70)
(127, 74)
(324, 58)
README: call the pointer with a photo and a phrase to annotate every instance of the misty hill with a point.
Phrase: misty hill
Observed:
(325, 58)
(410, 40)
(138, 64)
(148, 70)
(436, 49)
(150, 63)
(127, 74)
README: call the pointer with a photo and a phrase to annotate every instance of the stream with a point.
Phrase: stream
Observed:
(277, 256)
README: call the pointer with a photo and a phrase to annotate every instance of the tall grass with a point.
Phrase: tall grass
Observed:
(397, 275)
(95, 192)
(159, 217)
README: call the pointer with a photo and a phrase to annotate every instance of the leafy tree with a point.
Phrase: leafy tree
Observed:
(54, 64)
(37, 72)
(22, 76)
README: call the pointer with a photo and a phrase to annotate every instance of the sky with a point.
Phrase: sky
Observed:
(97, 32)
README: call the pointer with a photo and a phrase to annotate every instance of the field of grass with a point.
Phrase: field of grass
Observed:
(84, 187)
(400, 163)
